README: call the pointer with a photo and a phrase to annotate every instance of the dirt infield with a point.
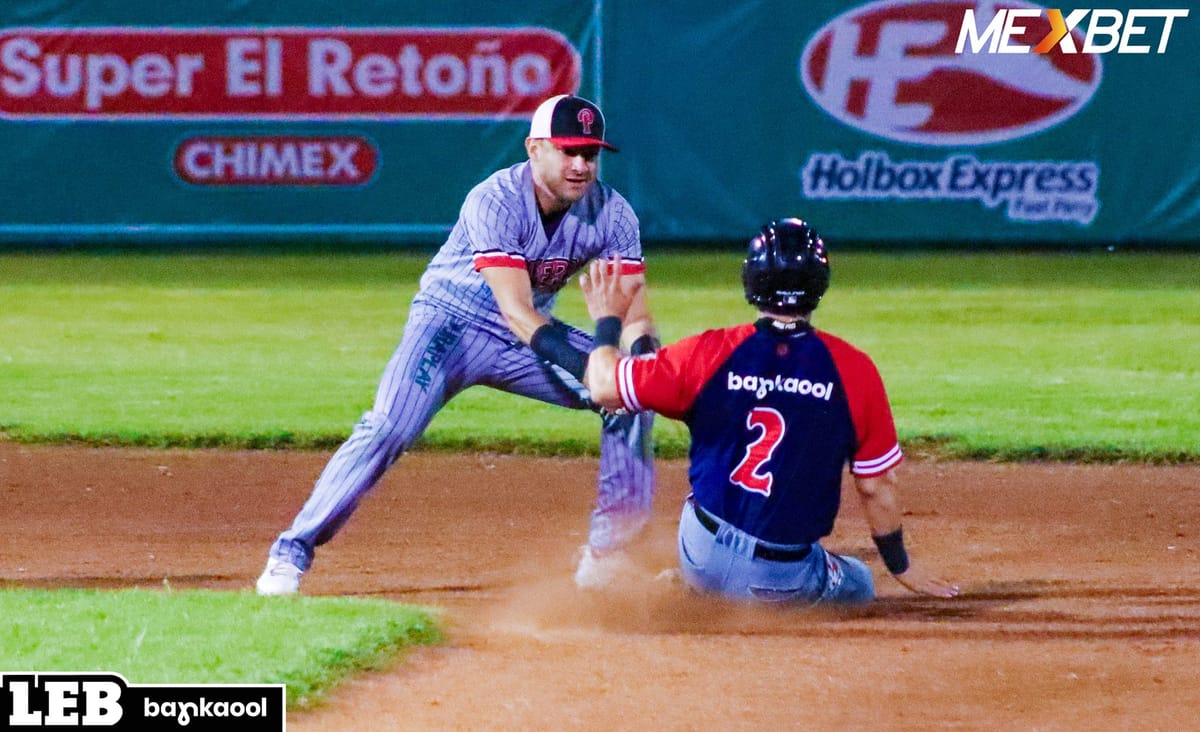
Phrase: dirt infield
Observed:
(1081, 604)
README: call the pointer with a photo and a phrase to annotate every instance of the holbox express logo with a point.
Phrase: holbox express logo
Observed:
(890, 68)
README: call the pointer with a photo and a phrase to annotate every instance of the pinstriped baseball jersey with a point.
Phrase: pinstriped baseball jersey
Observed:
(499, 226)
(456, 338)
(774, 416)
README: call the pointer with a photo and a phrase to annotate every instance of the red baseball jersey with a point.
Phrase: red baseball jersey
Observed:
(775, 415)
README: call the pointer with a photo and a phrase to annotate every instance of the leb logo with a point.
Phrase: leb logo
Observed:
(60, 700)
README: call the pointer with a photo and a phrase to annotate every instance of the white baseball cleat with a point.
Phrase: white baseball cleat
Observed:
(279, 578)
(597, 571)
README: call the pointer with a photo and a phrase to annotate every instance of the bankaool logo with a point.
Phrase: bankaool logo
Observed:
(764, 385)
(1004, 29)
(891, 69)
(282, 73)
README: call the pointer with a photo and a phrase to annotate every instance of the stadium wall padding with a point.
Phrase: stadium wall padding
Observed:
(264, 121)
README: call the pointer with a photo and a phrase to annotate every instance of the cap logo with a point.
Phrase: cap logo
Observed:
(586, 117)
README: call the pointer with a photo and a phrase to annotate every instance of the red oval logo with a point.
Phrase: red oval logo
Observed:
(282, 73)
(889, 68)
(276, 160)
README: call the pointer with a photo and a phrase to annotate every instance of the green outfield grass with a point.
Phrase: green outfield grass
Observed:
(1001, 355)
(308, 644)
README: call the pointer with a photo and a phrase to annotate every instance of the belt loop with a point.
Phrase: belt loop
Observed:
(771, 554)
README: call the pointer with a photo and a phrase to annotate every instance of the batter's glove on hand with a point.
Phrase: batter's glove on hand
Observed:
(645, 344)
(605, 413)
(613, 420)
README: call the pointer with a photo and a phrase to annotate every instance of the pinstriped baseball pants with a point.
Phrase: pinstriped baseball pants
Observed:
(440, 355)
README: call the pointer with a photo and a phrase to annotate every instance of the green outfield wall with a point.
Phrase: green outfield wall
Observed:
(902, 122)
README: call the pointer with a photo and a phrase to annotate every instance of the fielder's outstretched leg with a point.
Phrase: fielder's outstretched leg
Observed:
(625, 494)
(376, 442)
(625, 487)
(425, 371)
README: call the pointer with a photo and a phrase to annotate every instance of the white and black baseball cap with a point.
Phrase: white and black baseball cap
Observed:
(569, 121)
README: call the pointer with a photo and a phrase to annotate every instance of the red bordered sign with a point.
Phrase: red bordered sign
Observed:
(291, 160)
(282, 73)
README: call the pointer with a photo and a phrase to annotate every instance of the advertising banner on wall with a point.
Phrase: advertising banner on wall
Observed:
(301, 120)
(906, 122)
(965, 121)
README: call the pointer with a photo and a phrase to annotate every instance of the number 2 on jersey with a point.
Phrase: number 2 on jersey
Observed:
(749, 473)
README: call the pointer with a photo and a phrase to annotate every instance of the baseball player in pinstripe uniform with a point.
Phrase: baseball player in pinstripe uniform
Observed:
(482, 316)
(776, 410)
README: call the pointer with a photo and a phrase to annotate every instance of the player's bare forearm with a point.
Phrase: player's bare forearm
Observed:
(514, 294)
(879, 502)
(882, 508)
(601, 377)
(608, 294)
(637, 321)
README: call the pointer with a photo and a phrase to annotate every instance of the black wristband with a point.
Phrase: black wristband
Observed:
(645, 344)
(551, 344)
(608, 331)
(891, 549)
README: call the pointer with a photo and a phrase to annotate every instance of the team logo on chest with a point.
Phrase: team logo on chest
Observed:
(551, 274)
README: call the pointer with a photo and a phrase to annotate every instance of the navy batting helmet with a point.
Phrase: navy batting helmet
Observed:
(786, 270)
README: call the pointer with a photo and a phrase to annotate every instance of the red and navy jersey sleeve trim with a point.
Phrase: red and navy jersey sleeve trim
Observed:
(497, 258)
(629, 265)
(877, 447)
(669, 380)
(625, 387)
(878, 466)
(633, 266)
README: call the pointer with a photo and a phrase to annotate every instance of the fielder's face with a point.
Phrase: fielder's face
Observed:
(561, 175)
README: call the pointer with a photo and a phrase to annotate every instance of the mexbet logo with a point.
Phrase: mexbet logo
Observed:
(1107, 30)
(891, 69)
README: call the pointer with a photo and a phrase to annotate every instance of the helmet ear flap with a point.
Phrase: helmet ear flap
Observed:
(786, 269)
